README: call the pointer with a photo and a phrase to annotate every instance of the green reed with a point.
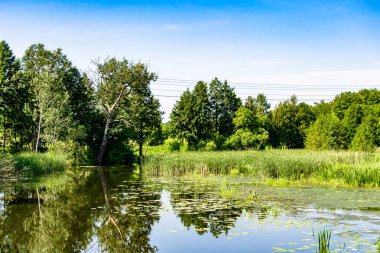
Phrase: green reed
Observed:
(353, 168)
(39, 163)
(324, 238)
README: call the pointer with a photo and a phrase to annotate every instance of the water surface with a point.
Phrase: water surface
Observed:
(119, 210)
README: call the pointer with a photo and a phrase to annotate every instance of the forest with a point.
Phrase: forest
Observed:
(107, 115)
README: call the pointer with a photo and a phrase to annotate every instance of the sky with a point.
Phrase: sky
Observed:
(314, 49)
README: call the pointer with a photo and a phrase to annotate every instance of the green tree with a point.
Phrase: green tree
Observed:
(224, 103)
(191, 116)
(366, 136)
(10, 92)
(289, 122)
(327, 132)
(115, 81)
(44, 71)
(249, 131)
(143, 114)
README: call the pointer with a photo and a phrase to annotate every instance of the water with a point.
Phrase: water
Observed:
(117, 210)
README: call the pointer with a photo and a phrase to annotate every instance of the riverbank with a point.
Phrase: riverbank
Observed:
(31, 164)
(275, 166)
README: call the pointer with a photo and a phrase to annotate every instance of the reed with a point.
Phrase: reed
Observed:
(324, 237)
(39, 163)
(354, 168)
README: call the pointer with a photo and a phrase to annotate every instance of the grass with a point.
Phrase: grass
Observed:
(349, 168)
(39, 163)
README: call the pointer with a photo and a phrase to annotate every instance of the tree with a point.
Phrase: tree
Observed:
(327, 132)
(290, 120)
(9, 91)
(224, 103)
(249, 131)
(44, 71)
(115, 81)
(191, 116)
(143, 114)
(364, 138)
(180, 117)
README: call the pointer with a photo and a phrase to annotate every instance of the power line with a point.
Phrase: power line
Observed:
(247, 94)
(253, 84)
(270, 99)
(286, 88)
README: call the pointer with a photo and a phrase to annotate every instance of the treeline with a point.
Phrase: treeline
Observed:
(47, 104)
(212, 117)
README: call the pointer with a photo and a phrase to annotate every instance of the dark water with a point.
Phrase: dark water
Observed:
(118, 210)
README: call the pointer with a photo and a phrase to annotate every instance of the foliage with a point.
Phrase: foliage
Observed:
(289, 122)
(327, 132)
(191, 116)
(224, 103)
(121, 85)
(173, 144)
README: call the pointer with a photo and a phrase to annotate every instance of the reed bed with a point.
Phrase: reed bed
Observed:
(355, 168)
(39, 163)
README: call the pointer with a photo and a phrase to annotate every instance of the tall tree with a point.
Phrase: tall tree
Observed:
(290, 121)
(9, 67)
(191, 116)
(115, 81)
(45, 71)
(143, 113)
(224, 103)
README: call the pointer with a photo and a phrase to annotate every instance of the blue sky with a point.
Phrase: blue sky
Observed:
(299, 43)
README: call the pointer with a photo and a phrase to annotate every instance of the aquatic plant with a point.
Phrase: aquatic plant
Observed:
(324, 237)
(39, 163)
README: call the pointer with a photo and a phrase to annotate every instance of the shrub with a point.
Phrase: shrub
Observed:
(173, 144)
(210, 146)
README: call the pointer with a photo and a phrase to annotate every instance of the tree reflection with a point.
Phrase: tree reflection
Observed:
(110, 205)
(128, 216)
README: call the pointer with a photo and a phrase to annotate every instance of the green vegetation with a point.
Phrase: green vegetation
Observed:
(39, 163)
(350, 168)
(324, 238)
(48, 106)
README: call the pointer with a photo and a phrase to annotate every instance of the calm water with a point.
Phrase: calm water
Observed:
(117, 210)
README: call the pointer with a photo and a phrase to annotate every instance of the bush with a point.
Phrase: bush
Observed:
(173, 144)
(245, 139)
(210, 146)
(364, 139)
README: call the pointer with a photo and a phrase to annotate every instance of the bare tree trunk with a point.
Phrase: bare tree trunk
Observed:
(38, 131)
(103, 146)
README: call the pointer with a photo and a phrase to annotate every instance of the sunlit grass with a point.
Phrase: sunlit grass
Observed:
(350, 168)
(39, 163)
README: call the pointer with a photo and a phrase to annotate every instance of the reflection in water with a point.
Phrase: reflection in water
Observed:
(117, 210)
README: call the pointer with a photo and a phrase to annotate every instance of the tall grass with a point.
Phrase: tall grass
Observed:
(39, 163)
(352, 167)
